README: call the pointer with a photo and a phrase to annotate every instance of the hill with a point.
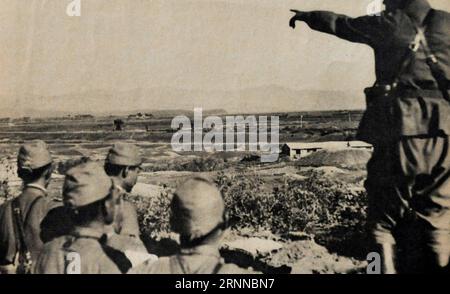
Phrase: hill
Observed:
(270, 98)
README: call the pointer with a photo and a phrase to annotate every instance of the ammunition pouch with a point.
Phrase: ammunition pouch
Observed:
(393, 112)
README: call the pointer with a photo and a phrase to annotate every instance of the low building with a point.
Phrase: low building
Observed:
(300, 149)
(84, 117)
(359, 145)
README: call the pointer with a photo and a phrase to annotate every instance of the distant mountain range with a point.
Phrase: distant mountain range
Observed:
(253, 100)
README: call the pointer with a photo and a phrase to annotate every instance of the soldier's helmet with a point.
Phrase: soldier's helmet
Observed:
(197, 208)
(125, 154)
(33, 155)
(86, 183)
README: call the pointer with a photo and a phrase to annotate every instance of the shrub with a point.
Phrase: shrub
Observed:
(203, 164)
(153, 213)
(295, 205)
(200, 164)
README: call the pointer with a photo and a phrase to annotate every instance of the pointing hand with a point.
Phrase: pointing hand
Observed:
(297, 17)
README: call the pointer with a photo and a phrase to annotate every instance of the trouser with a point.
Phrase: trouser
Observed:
(408, 187)
(421, 248)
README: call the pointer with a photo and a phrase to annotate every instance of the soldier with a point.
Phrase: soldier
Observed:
(198, 215)
(20, 241)
(122, 164)
(407, 121)
(91, 200)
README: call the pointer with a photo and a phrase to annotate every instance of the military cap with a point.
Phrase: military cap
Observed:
(197, 208)
(124, 154)
(86, 183)
(33, 155)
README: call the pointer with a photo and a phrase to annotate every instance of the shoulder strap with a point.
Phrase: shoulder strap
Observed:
(117, 257)
(178, 263)
(432, 61)
(217, 268)
(32, 205)
(20, 222)
(22, 249)
(420, 41)
(410, 53)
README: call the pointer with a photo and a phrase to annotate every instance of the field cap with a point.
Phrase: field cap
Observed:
(125, 154)
(33, 155)
(85, 184)
(197, 208)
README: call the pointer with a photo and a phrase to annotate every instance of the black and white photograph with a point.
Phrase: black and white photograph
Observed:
(250, 138)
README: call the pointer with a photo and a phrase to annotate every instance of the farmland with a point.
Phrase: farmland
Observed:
(310, 212)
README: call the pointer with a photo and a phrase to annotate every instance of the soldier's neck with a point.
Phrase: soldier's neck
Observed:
(40, 184)
(118, 182)
(95, 225)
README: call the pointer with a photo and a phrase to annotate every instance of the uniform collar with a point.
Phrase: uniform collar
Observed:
(417, 10)
(119, 187)
(201, 250)
(83, 232)
(38, 187)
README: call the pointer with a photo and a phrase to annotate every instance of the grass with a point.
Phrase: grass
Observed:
(317, 202)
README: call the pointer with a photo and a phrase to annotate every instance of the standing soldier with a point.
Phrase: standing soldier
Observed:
(20, 218)
(198, 215)
(408, 122)
(91, 201)
(123, 164)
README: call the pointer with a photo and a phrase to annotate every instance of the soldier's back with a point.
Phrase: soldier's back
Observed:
(71, 254)
(195, 264)
(33, 206)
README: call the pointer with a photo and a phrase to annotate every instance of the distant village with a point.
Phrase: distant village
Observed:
(85, 117)
(293, 150)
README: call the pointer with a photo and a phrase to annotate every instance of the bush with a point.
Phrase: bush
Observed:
(293, 205)
(200, 164)
(203, 164)
(296, 205)
(153, 213)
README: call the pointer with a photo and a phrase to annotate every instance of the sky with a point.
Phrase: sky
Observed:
(120, 45)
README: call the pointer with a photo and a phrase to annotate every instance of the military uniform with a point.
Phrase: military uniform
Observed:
(198, 215)
(200, 260)
(33, 205)
(408, 180)
(95, 256)
(126, 237)
(84, 184)
(124, 233)
(127, 219)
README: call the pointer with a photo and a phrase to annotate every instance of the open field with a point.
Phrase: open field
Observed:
(310, 213)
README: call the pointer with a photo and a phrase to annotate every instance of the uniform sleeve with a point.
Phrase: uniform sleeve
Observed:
(129, 221)
(7, 235)
(49, 262)
(370, 30)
